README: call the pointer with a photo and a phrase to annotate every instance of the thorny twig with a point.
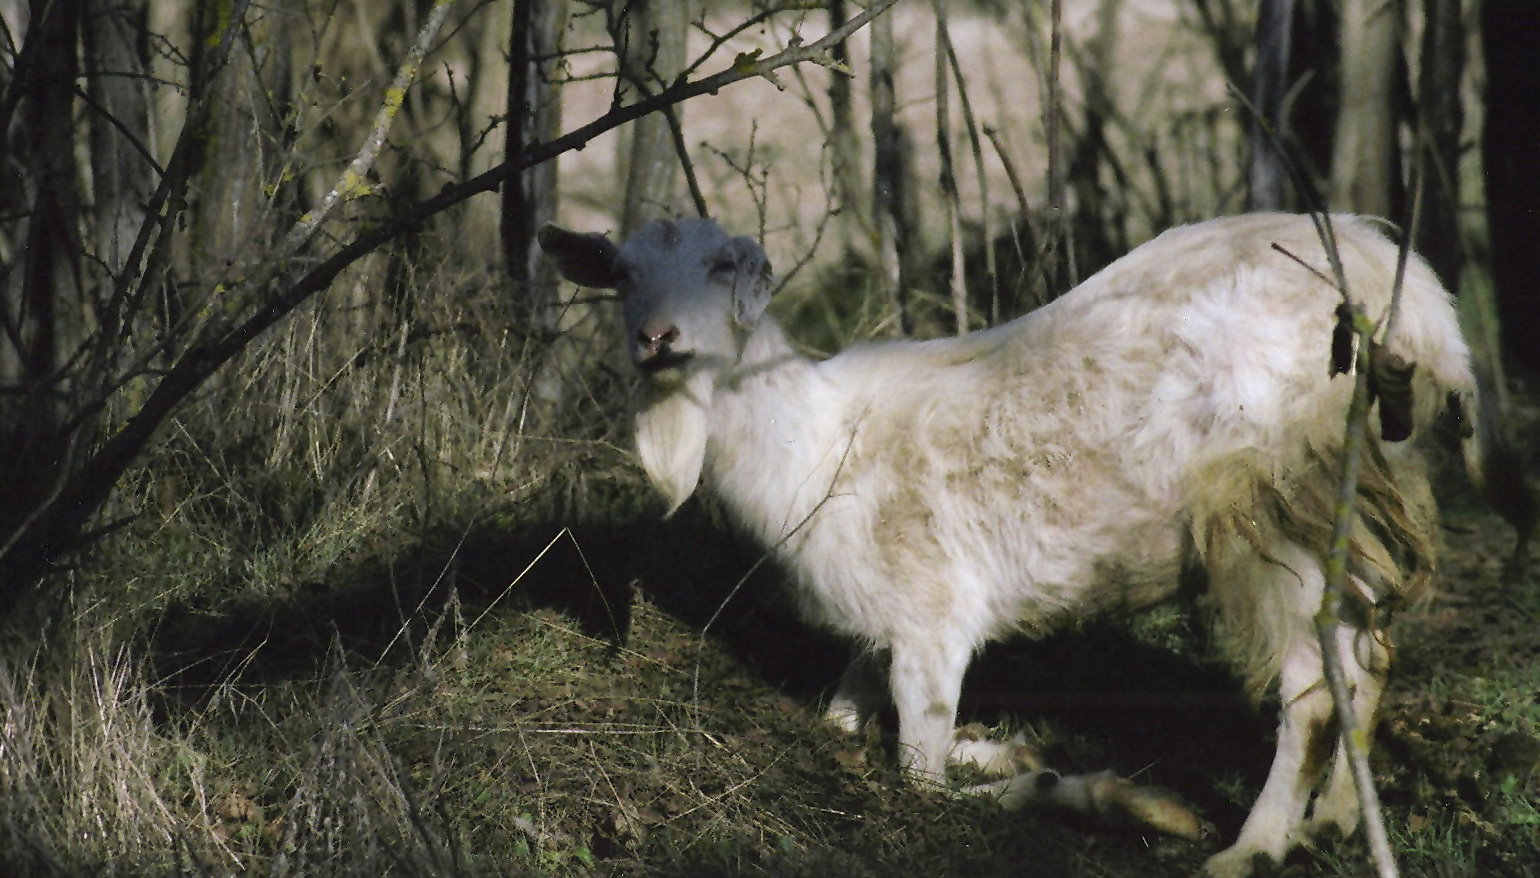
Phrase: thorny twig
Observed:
(676, 131)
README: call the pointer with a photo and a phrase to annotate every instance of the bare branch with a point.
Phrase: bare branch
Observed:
(683, 149)
(1327, 619)
(949, 193)
(353, 181)
(88, 487)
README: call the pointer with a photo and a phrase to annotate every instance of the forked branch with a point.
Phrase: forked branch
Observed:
(280, 289)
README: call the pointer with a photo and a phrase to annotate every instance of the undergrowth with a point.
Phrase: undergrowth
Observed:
(382, 611)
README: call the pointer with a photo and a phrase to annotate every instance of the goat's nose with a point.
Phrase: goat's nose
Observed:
(655, 339)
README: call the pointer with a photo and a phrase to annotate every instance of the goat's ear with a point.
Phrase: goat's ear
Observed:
(750, 278)
(585, 258)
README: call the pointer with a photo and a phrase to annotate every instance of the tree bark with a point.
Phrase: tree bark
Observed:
(956, 274)
(1267, 175)
(1510, 151)
(534, 116)
(1440, 116)
(1316, 60)
(889, 176)
(854, 222)
(652, 44)
(122, 175)
(44, 290)
(1363, 160)
(38, 290)
(226, 181)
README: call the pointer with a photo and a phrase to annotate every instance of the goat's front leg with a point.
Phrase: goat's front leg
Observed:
(926, 680)
(863, 692)
(1366, 661)
(1305, 734)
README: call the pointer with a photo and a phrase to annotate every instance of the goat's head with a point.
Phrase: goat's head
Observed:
(691, 294)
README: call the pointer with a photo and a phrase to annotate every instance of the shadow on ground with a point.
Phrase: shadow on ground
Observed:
(1110, 698)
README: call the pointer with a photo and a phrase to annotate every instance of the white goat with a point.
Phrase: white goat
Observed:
(1173, 414)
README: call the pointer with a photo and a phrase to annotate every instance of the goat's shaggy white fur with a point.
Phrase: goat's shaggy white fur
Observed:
(1173, 414)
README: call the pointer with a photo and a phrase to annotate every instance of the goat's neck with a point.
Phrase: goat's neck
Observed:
(777, 436)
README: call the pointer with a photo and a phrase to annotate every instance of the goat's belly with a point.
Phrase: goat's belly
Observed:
(1040, 604)
(985, 589)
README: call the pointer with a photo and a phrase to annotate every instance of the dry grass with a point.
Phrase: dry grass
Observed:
(381, 623)
(518, 725)
(387, 607)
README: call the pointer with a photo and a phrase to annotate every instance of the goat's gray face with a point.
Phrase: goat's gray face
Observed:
(690, 293)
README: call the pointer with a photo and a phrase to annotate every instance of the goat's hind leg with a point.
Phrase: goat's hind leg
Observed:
(995, 758)
(862, 692)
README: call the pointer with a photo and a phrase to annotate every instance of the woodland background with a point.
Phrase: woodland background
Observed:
(321, 547)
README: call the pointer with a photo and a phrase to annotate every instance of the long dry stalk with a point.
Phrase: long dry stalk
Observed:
(1355, 740)
(949, 194)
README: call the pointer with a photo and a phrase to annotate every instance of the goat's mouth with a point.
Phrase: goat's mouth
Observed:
(662, 362)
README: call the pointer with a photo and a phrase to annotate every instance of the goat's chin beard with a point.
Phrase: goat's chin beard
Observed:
(666, 380)
(671, 433)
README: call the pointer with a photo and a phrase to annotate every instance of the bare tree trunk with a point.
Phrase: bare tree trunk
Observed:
(225, 162)
(1058, 249)
(1095, 234)
(530, 196)
(48, 276)
(43, 302)
(1510, 152)
(225, 196)
(534, 116)
(122, 176)
(1267, 176)
(1363, 160)
(855, 227)
(956, 274)
(889, 175)
(652, 36)
(1315, 92)
(1440, 116)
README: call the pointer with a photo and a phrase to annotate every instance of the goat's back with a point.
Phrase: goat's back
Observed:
(1075, 456)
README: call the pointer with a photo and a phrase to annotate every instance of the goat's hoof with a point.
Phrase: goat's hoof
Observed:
(1327, 830)
(971, 745)
(926, 782)
(1156, 808)
(1237, 862)
(848, 718)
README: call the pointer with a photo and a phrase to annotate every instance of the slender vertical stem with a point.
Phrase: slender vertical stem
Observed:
(1058, 208)
(1354, 739)
(949, 194)
(1327, 620)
